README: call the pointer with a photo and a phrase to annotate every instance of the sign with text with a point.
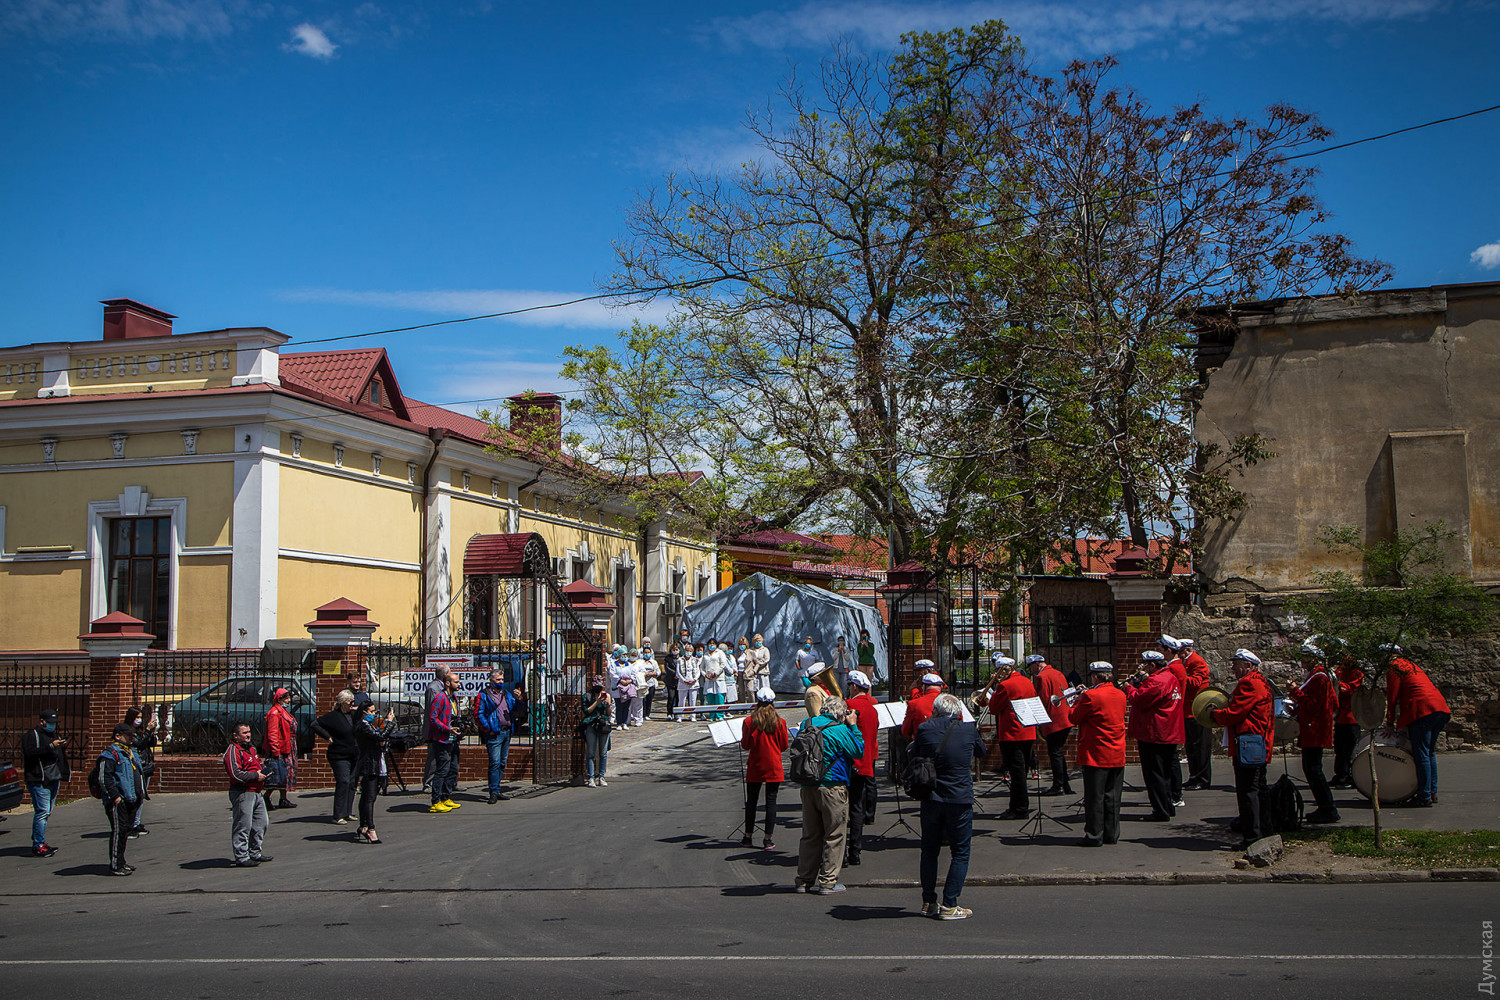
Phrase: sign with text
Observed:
(911, 637)
(471, 681)
(1137, 624)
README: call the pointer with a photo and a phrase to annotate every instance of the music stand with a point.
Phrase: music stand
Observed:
(1031, 712)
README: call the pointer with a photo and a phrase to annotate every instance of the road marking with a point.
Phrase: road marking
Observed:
(579, 959)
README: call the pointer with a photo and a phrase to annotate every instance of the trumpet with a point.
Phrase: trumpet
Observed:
(979, 698)
(1069, 695)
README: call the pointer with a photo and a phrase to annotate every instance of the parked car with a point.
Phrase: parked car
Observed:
(11, 790)
(203, 722)
(963, 632)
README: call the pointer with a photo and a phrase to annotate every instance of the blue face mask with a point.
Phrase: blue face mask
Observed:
(758, 643)
(369, 716)
(51, 727)
(807, 645)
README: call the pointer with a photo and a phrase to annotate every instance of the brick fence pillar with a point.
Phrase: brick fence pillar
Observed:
(1137, 609)
(342, 634)
(913, 631)
(115, 644)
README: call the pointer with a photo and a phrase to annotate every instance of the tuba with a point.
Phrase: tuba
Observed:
(828, 681)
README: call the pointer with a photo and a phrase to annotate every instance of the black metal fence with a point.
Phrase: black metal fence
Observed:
(198, 697)
(30, 685)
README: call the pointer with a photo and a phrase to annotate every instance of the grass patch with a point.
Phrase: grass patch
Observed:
(1412, 848)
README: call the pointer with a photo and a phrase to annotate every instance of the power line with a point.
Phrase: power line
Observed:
(691, 284)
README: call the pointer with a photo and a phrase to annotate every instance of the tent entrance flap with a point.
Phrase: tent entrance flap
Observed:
(785, 613)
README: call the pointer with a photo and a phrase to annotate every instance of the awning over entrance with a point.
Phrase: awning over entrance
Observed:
(518, 555)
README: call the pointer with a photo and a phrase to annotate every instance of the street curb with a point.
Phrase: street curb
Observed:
(1212, 878)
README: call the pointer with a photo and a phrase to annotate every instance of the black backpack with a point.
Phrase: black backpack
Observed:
(920, 777)
(806, 755)
(1282, 807)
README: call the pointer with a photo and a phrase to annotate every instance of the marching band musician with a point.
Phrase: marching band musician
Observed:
(919, 707)
(1015, 739)
(1200, 746)
(1156, 724)
(1099, 714)
(1345, 727)
(1248, 716)
(1424, 713)
(1050, 684)
(1316, 704)
(1172, 650)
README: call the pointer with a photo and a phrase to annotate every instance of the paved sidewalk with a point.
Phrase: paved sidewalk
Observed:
(669, 817)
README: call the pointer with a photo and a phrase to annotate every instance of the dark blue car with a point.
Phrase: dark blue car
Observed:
(203, 722)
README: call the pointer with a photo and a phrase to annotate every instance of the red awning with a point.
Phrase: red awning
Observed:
(502, 555)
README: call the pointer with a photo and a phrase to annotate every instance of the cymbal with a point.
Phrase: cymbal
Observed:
(1205, 701)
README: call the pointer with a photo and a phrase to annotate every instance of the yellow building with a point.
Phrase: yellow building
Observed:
(220, 490)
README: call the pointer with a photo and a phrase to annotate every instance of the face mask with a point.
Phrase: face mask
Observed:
(742, 649)
(51, 727)
(647, 654)
(758, 643)
(807, 645)
(369, 716)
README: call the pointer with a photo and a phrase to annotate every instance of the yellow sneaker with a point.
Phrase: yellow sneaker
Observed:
(451, 804)
(439, 807)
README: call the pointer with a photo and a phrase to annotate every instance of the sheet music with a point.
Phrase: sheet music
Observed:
(727, 732)
(1030, 711)
(890, 713)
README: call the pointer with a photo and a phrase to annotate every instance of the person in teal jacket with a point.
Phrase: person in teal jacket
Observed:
(825, 806)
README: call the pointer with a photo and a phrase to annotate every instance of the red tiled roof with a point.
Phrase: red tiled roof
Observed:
(431, 415)
(1096, 556)
(343, 375)
(780, 539)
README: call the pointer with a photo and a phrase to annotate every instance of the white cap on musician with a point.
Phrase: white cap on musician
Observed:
(1187, 643)
(1036, 658)
(1309, 649)
(1001, 660)
(1247, 656)
(924, 665)
(1170, 643)
(1101, 667)
(1152, 656)
(931, 680)
(765, 696)
(858, 679)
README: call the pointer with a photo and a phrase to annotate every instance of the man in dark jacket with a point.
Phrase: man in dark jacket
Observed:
(948, 813)
(247, 779)
(124, 790)
(45, 760)
(492, 708)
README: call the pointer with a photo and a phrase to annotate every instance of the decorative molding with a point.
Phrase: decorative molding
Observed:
(190, 441)
(135, 501)
(296, 445)
(117, 443)
(494, 489)
(411, 473)
(338, 455)
(375, 463)
(49, 449)
(466, 480)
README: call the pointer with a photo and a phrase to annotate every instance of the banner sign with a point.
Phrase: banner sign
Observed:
(470, 680)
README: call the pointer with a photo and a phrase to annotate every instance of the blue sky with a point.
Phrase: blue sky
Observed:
(334, 168)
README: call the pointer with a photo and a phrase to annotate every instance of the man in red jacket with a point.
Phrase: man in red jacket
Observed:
(1346, 727)
(1156, 724)
(1050, 684)
(1172, 650)
(1015, 739)
(1252, 732)
(247, 780)
(1316, 702)
(862, 791)
(1199, 740)
(1423, 714)
(1099, 714)
(919, 709)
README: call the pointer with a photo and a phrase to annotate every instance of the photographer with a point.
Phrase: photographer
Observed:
(143, 721)
(45, 760)
(595, 729)
(123, 789)
(371, 735)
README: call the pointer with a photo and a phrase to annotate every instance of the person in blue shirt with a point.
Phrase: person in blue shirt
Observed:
(124, 790)
(825, 806)
(493, 707)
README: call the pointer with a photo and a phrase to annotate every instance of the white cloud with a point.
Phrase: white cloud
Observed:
(490, 382)
(595, 314)
(1052, 28)
(1487, 256)
(309, 40)
(127, 20)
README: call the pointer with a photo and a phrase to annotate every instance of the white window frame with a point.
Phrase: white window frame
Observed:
(134, 502)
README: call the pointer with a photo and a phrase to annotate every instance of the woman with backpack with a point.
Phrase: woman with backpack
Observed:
(144, 744)
(766, 738)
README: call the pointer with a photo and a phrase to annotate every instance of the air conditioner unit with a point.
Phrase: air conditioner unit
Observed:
(671, 605)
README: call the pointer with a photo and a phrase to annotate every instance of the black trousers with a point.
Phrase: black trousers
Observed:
(862, 799)
(1101, 803)
(646, 703)
(343, 787)
(752, 796)
(1057, 758)
(1249, 789)
(1312, 770)
(369, 789)
(1016, 755)
(1200, 752)
(1345, 735)
(122, 816)
(1174, 773)
(1158, 760)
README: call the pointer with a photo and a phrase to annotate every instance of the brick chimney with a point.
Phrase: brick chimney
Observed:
(127, 319)
(537, 416)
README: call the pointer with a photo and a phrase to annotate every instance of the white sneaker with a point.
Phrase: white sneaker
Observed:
(1178, 804)
(600, 783)
(588, 782)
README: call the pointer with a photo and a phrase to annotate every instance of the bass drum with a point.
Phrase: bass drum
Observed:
(1368, 705)
(1394, 765)
(1286, 723)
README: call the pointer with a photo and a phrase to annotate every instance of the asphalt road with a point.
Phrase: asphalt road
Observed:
(1121, 941)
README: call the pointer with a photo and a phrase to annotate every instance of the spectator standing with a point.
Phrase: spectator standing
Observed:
(758, 663)
(442, 746)
(864, 653)
(1050, 684)
(689, 676)
(1015, 739)
(247, 830)
(948, 813)
(492, 712)
(825, 806)
(44, 762)
(1423, 713)
(438, 685)
(842, 662)
(717, 674)
(281, 745)
(123, 789)
(669, 665)
(765, 739)
(808, 662)
(596, 729)
(337, 727)
(742, 666)
(650, 672)
(1099, 714)
(862, 790)
(143, 721)
(371, 735)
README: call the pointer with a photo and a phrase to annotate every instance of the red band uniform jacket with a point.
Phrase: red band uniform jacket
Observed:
(1099, 714)
(1009, 728)
(1249, 710)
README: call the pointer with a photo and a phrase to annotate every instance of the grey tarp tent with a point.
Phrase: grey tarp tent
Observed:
(784, 613)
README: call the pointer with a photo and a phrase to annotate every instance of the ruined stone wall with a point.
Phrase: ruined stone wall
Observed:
(1468, 675)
